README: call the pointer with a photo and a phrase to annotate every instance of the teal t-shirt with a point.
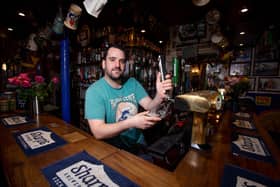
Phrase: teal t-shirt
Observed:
(113, 105)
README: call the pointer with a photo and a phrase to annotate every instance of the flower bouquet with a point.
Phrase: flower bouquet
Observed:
(236, 86)
(29, 86)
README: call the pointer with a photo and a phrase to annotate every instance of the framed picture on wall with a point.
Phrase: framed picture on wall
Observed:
(265, 53)
(239, 69)
(242, 55)
(269, 84)
(269, 68)
(252, 81)
(191, 33)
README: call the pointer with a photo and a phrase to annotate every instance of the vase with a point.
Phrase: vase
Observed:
(33, 107)
(37, 106)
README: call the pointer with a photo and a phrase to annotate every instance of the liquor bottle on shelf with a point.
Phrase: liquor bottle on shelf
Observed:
(144, 76)
(176, 75)
(150, 76)
(183, 77)
(137, 69)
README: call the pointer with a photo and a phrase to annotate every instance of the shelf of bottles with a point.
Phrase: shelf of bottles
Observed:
(86, 69)
(142, 65)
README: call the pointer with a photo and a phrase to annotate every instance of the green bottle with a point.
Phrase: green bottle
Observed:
(176, 67)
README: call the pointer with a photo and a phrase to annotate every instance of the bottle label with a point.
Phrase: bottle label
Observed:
(175, 71)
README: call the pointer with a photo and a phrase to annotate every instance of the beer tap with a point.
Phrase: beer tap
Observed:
(162, 70)
(165, 107)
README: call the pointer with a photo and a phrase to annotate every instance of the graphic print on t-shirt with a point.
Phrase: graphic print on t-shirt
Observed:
(125, 110)
(124, 106)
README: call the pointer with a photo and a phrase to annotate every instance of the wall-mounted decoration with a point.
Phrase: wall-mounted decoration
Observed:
(83, 36)
(213, 16)
(267, 47)
(252, 81)
(266, 68)
(268, 55)
(263, 100)
(200, 2)
(269, 84)
(191, 33)
(239, 69)
(242, 55)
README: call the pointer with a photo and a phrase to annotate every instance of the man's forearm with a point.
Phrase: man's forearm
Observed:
(154, 104)
(104, 131)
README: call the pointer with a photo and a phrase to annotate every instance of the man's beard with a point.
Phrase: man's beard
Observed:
(110, 75)
(115, 78)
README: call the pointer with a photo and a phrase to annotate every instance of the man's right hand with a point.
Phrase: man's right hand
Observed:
(144, 120)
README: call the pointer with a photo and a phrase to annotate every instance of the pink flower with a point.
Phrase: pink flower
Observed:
(14, 80)
(33, 86)
(39, 79)
(26, 84)
(55, 80)
(24, 76)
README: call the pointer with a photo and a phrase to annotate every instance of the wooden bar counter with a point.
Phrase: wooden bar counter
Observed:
(197, 168)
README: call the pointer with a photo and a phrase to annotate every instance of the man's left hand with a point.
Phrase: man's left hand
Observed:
(164, 87)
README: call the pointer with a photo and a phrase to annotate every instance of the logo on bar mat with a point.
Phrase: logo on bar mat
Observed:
(84, 170)
(38, 140)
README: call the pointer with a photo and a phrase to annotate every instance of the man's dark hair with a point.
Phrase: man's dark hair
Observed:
(120, 47)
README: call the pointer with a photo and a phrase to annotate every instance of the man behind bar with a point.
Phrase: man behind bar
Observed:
(111, 104)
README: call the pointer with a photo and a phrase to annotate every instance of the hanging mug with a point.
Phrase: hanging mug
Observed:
(71, 20)
(94, 7)
(58, 23)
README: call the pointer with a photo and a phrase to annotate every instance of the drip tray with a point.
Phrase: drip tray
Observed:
(168, 151)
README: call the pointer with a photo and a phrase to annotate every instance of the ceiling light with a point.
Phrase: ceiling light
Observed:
(143, 30)
(4, 67)
(10, 29)
(243, 10)
(160, 41)
(241, 44)
(242, 33)
(21, 14)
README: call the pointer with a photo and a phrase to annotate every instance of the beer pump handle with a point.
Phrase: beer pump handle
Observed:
(161, 68)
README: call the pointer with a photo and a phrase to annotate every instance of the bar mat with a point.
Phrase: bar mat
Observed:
(239, 177)
(243, 115)
(38, 140)
(15, 120)
(243, 124)
(250, 146)
(82, 169)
